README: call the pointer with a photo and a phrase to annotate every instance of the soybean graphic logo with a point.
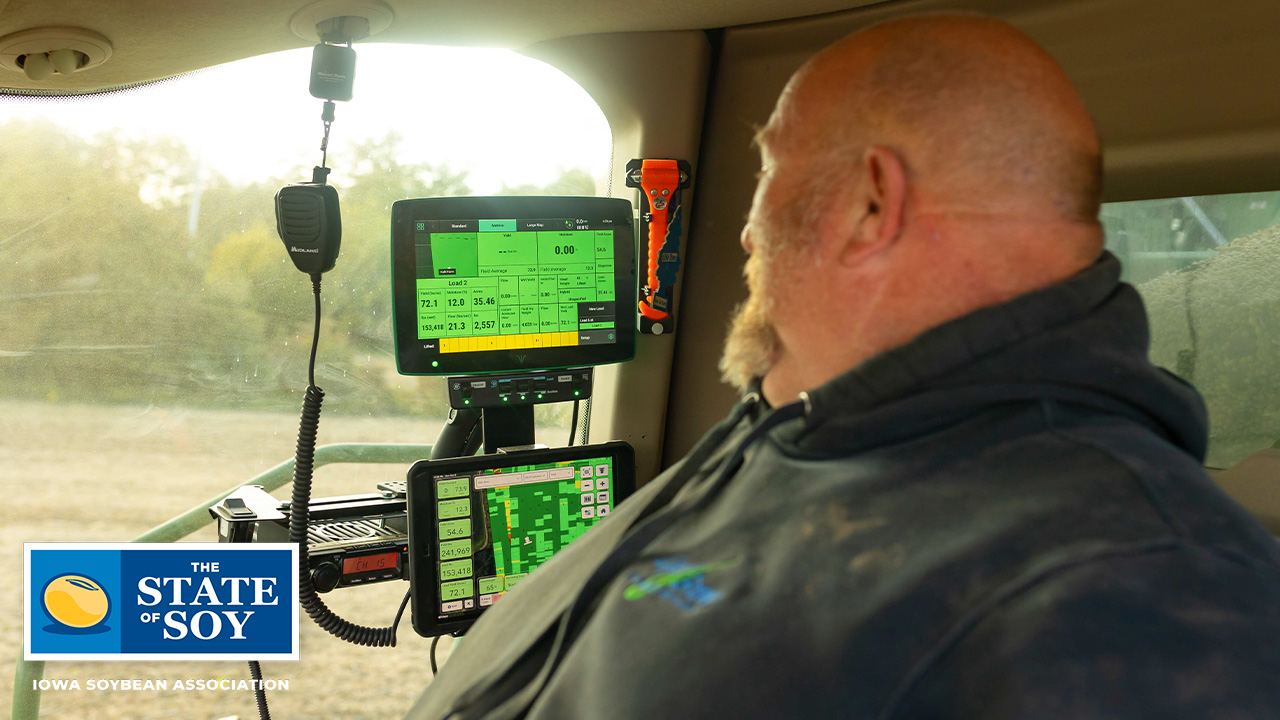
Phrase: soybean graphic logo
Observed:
(135, 601)
(78, 603)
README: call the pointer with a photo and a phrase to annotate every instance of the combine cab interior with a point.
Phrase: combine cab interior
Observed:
(153, 335)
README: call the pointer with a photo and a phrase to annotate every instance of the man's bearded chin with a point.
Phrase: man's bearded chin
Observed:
(753, 344)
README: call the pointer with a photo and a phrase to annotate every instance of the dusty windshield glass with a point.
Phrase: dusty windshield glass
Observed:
(154, 334)
(1207, 269)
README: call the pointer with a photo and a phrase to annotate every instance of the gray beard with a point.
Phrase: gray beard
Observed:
(752, 346)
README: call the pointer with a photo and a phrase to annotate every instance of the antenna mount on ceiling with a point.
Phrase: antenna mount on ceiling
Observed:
(341, 21)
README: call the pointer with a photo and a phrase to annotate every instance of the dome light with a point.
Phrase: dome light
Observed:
(40, 52)
(66, 61)
(37, 66)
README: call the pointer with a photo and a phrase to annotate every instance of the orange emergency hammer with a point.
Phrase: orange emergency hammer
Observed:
(659, 179)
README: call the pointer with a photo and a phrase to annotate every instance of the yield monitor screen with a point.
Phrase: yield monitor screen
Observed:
(478, 526)
(491, 284)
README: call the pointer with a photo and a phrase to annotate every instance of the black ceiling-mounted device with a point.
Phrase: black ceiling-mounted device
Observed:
(333, 72)
(333, 61)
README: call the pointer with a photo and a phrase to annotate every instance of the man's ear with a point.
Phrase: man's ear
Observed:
(880, 202)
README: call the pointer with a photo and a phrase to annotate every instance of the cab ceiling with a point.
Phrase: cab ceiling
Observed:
(160, 38)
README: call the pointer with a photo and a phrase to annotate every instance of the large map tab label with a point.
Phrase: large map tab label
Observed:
(135, 601)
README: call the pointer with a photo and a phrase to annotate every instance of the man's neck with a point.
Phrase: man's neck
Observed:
(924, 299)
(786, 380)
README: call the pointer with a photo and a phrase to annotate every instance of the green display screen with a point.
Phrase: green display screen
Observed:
(511, 284)
(520, 517)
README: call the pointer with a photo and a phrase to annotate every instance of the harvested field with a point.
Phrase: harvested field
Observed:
(82, 473)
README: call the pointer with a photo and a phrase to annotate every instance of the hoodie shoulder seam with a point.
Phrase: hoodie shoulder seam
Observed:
(1017, 588)
(1153, 496)
(1181, 531)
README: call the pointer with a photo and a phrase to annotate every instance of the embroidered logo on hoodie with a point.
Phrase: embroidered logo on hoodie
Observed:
(678, 582)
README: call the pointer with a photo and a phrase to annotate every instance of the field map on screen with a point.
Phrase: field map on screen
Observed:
(532, 512)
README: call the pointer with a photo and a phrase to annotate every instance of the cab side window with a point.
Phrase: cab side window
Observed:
(1208, 269)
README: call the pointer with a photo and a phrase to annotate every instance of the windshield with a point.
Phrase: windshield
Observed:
(154, 334)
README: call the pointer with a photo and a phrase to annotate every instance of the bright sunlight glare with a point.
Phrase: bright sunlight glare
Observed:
(502, 117)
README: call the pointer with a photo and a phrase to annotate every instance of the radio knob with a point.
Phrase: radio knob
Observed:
(325, 577)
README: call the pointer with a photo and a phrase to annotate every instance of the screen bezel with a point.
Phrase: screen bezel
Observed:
(424, 590)
(413, 359)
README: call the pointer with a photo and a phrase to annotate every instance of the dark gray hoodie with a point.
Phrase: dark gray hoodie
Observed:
(1005, 518)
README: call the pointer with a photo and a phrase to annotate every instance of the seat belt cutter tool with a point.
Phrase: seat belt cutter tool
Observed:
(660, 183)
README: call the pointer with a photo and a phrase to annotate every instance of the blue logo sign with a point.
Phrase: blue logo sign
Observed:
(189, 601)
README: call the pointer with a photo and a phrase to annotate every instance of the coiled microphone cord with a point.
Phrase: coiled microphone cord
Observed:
(299, 512)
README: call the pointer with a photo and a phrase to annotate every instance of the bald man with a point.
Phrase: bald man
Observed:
(955, 486)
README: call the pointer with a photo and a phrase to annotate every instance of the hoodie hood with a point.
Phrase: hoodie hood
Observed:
(1083, 341)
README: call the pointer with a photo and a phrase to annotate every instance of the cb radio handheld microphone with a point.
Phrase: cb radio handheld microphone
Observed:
(310, 224)
(308, 219)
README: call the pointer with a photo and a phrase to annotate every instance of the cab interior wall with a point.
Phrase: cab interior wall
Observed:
(1173, 87)
(651, 115)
